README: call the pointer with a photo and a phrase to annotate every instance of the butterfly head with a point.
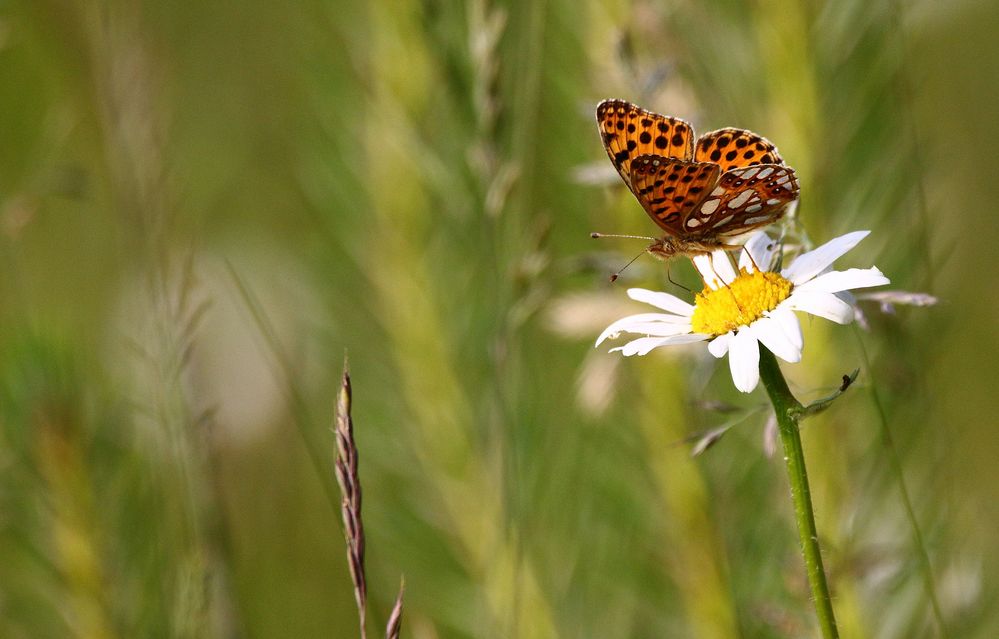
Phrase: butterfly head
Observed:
(671, 246)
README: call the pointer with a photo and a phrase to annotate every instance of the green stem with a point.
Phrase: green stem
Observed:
(787, 410)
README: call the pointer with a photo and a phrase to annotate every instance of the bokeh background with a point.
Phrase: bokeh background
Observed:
(203, 206)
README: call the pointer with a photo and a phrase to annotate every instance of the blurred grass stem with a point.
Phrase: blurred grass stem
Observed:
(787, 409)
(910, 514)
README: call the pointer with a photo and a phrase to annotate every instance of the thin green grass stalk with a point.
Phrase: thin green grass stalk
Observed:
(787, 409)
(284, 372)
(895, 464)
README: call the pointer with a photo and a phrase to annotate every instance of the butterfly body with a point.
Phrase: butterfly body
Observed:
(703, 194)
(666, 247)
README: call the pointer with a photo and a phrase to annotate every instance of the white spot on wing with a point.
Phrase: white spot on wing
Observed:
(754, 208)
(718, 191)
(749, 173)
(756, 220)
(773, 201)
(765, 173)
(692, 222)
(709, 206)
(741, 199)
(722, 222)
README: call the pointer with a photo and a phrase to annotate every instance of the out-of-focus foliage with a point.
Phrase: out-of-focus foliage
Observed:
(204, 204)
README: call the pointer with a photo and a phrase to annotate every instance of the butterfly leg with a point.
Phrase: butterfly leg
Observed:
(755, 265)
(669, 277)
(720, 279)
(736, 247)
(734, 298)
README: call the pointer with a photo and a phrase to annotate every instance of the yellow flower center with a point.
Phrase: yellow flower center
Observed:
(742, 302)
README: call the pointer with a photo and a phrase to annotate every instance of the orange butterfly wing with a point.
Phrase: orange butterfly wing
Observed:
(730, 182)
(744, 199)
(629, 131)
(670, 189)
(735, 148)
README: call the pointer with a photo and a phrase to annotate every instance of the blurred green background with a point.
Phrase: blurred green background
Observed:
(203, 205)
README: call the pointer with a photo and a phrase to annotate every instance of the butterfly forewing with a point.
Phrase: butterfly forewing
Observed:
(744, 199)
(735, 148)
(670, 189)
(629, 131)
(702, 195)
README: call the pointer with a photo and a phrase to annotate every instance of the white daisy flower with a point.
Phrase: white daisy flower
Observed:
(736, 312)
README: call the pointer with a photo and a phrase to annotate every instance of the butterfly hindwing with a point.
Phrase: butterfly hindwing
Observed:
(734, 148)
(701, 194)
(670, 189)
(629, 131)
(744, 198)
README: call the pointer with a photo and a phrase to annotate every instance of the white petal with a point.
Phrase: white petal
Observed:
(837, 281)
(810, 264)
(744, 360)
(825, 305)
(688, 338)
(704, 265)
(664, 301)
(789, 323)
(771, 334)
(719, 345)
(722, 264)
(658, 329)
(761, 248)
(716, 269)
(661, 328)
(640, 346)
(643, 345)
(628, 324)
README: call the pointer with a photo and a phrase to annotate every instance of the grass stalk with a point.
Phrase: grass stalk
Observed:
(350, 502)
(895, 464)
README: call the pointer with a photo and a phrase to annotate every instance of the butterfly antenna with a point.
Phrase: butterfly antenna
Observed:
(613, 278)
(597, 236)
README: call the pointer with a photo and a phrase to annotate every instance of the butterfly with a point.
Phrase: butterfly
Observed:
(703, 194)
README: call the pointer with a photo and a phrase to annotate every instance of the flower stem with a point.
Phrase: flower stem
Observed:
(787, 410)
